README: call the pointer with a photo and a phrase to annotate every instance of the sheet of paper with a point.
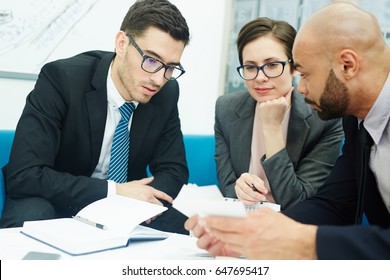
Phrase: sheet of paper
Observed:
(72, 236)
(119, 213)
(208, 200)
(120, 216)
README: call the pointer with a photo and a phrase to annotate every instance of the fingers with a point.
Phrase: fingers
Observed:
(205, 241)
(151, 219)
(212, 224)
(258, 184)
(250, 189)
(210, 243)
(156, 193)
(191, 223)
(281, 102)
(161, 195)
(146, 181)
(138, 190)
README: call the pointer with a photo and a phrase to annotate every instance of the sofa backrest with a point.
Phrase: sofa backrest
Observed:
(199, 152)
(6, 138)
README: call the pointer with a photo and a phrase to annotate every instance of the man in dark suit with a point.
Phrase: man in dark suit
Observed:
(344, 64)
(60, 159)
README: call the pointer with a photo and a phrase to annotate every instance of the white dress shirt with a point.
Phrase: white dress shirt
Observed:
(257, 146)
(378, 126)
(114, 101)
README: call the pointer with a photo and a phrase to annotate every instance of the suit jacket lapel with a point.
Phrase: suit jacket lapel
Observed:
(241, 132)
(142, 118)
(96, 101)
(298, 128)
(374, 207)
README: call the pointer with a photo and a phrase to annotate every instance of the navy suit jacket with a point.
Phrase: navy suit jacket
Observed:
(59, 136)
(334, 207)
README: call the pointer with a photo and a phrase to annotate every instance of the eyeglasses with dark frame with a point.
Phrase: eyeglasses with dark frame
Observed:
(271, 70)
(152, 65)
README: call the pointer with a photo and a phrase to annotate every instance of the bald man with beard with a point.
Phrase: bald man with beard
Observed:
(344, 64)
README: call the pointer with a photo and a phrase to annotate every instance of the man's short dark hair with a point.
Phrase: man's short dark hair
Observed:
(158, 13)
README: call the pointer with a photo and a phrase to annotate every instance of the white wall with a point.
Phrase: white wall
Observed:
(203, 59)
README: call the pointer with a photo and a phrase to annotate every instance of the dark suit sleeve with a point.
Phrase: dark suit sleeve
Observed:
(168, 162)
(34, 168)
(226, 174)
(353, 242)
(335, 201)
(157, 142)
(333, 208)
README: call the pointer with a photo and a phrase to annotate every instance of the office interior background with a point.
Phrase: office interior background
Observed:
(35, 32)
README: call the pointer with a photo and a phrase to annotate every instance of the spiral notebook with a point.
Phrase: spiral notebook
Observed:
(257, 205)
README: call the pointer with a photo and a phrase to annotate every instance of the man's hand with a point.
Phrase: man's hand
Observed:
(139, 189)
(205, 241)
(263, 234)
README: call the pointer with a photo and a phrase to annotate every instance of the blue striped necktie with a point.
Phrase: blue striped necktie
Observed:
(120, 146)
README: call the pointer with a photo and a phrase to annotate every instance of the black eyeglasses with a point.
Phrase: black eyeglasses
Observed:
(152, 65)
(271, 70)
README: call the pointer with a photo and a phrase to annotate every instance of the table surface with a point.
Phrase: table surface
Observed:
(15, 245)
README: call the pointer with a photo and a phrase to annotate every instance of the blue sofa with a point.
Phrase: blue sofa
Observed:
(6, 138)
(199, 151)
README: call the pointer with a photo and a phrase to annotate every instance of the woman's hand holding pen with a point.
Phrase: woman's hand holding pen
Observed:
(250, 189)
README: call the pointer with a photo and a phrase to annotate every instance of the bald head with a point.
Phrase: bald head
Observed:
(342, 25)
(341, 47)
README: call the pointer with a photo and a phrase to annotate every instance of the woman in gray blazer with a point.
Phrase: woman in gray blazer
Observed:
(270, 145)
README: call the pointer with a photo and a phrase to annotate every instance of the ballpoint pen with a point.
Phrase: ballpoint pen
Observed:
(254, 188)
(88, 222)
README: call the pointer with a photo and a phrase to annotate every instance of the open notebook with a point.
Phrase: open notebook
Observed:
(118, 220)
(208, 200)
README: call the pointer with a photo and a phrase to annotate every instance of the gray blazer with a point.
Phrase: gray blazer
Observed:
(294, 173)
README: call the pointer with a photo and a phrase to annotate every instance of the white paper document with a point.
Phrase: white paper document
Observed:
(208, 200)
(109, 223)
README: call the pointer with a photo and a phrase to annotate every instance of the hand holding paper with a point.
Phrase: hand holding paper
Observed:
(208, 200)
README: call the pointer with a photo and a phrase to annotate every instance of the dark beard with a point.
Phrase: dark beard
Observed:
(334, 100)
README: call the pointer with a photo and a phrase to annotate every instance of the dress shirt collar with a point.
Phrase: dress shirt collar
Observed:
(378, 117)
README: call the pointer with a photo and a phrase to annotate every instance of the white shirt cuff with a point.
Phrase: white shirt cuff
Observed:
(111, 188)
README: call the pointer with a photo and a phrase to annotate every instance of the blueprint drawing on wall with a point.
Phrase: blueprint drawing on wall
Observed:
(33, 32)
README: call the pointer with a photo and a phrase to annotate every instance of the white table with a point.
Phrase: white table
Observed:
(15, 245)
